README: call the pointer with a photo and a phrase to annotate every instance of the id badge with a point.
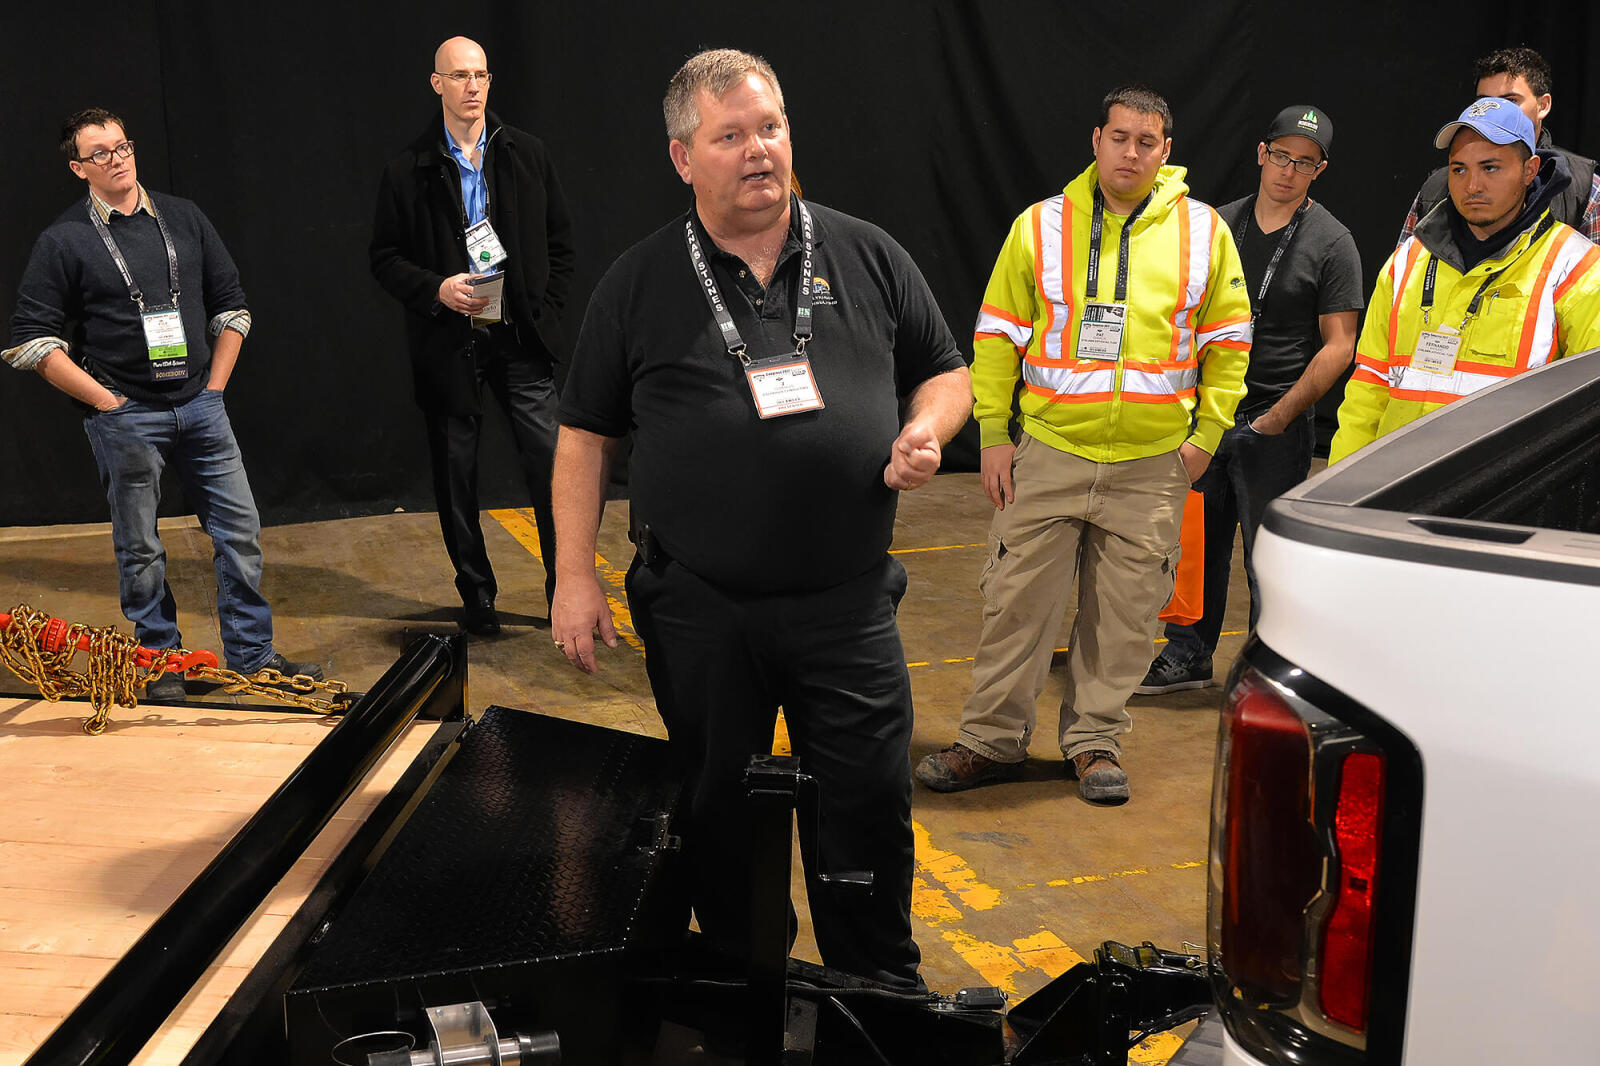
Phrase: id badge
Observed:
(1100, 332)
(167, 347)
(1436, 351)
(783, 386)
(484, 250)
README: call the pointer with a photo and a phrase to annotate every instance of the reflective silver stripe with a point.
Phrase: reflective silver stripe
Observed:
(1064, 381)
(1004, 327)
(1054, 285)
(1201, 226)
(1183, 380)
(1145, 382)
(1456, 383)
(1567, 258)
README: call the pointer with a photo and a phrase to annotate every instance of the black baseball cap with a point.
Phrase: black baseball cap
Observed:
(1303, 120)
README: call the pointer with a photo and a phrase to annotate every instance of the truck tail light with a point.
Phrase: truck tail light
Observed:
(1298, 809)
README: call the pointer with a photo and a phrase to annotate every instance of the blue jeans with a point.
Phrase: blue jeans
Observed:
(1248, 471)
(132, 446)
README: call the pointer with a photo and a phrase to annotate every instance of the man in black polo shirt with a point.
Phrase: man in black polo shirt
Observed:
(160, 319)
(757, 349)
(1305, 294)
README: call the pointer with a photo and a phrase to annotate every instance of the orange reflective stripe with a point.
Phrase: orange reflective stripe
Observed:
(1182, 211)
(1590, 258)
(1377, 366)
(1000, 312)
(1366, 375)
(1530, 319)
(1412, 255)
(1038, 279)
(1165, 397)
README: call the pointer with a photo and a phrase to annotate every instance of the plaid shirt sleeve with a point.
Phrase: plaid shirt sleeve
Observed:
(1589, 224)
(1411, 220)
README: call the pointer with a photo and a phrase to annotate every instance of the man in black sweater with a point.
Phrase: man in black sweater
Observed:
(160, 318)
(474, 201)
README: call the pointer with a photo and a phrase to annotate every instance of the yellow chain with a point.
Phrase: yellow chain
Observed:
(113, 675)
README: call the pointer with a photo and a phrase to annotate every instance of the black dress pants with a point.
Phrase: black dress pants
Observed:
(524, 390)
(720, 665)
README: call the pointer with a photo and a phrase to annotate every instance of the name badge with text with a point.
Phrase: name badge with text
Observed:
(1436, 351)
(1100, 332)
(484, 250)
(783, 386)
(166, 344)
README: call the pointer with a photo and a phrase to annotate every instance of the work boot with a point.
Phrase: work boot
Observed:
(167, 688)
(289, 669)
(1101, 778)
(1167, 675)
(958, 767)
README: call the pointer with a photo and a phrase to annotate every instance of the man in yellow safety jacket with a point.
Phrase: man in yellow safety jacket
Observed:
(1489, 285)
(1120, 308)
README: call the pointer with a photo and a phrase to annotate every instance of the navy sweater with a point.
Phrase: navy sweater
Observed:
(72, 284)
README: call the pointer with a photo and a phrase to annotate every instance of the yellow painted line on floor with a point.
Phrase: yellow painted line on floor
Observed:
(936, 548)
(952, 871)
(520, 525)
(946, 889)
(1137, 871)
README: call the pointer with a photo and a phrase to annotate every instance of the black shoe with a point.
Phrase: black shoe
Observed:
(289, 669)
(1167, 676)
(168, 688)
(480, 620)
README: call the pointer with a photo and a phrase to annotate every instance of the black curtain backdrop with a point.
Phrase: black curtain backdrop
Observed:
(938, 121)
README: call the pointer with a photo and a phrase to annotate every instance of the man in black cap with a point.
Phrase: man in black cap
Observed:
(1305, 295)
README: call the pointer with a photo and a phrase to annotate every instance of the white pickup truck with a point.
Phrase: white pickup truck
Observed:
(1405, 852)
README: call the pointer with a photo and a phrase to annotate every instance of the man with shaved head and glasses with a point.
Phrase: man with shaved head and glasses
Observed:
(151, 302)
(473, 208)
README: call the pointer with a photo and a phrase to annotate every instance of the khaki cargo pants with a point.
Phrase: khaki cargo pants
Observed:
(1115, 527)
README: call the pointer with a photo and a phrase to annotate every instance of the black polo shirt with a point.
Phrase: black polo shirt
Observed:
(790, 504)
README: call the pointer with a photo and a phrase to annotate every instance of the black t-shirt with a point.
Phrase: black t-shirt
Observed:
(789, 504)
(1319, 274)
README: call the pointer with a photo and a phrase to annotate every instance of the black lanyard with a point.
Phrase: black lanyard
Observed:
(1429, 278)
(719, 307)
(1260, 301)
(1092, 286)
(122, 264)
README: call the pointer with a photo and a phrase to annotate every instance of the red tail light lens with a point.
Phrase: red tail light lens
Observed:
(1272, 866)
(1347, 936)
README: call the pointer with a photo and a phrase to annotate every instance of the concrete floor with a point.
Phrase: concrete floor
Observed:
(1015, 882)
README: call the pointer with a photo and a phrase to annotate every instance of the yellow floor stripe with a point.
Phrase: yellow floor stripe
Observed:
(520, 524)
(946, 889)
(936, 548)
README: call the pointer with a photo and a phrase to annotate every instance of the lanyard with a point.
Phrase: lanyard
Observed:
(719, 307)
(122, 264)
(1277, 254)
(1092, 286)
(1477, 297)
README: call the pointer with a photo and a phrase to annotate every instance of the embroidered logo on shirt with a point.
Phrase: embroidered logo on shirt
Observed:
(822, 292)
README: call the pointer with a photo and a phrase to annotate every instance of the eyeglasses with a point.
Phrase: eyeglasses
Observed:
(1281, 158)
(461, 77)
(100, 157)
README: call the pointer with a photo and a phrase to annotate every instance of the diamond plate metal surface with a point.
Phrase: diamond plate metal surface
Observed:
(534, 844)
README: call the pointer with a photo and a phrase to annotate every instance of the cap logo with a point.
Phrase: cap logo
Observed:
(1482, 107)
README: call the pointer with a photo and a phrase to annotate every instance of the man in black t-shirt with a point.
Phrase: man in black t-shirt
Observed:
(757, 349)
(1305, 294)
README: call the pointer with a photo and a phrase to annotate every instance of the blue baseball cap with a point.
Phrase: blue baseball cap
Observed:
(1497, 120)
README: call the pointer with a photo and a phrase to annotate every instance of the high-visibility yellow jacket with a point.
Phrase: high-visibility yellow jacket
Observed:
(1545, 305)
(1185, 344)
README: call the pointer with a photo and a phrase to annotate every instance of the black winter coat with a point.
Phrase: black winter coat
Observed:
(418, 240)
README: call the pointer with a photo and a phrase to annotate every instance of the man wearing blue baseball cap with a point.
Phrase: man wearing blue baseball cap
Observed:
(1491, 284)
(1522, 76)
